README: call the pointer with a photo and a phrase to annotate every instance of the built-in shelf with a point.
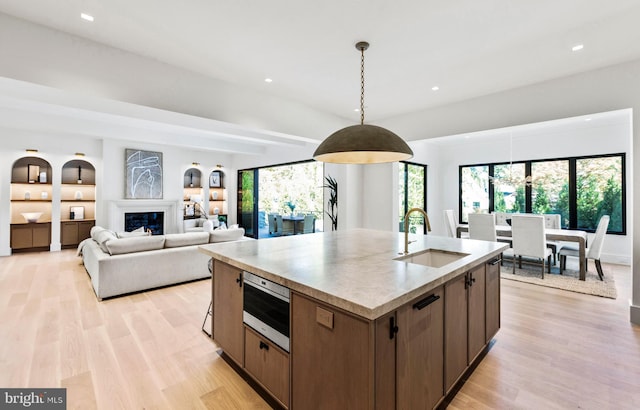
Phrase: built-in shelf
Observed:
(31, 191)
(217, 194)
(77, 197)
(192, 194)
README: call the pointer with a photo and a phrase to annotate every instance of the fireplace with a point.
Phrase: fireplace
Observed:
(172, 214)
(152, 221)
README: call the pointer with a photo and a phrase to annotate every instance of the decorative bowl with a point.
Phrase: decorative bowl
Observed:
(31, 216)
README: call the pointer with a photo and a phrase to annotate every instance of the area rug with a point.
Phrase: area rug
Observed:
(569, 280)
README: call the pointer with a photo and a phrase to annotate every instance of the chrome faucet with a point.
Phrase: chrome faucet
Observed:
(406, 226)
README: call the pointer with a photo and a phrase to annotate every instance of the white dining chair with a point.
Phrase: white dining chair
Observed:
(553, 221)
(591, 252)
(501, 218)
(482, 227)
(528, 239)
(450, 223)
(451, 226)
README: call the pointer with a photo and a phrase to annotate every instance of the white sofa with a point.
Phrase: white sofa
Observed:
(132, 263)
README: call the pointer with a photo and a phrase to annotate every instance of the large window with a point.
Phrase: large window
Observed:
(600, 191)
(413, 194)
(580, 189)
(550, 189)
(474, 190)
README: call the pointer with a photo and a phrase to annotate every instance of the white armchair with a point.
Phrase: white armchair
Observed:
(528, 239)
(592, 252)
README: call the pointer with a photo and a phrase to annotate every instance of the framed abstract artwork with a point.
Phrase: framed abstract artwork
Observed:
(215, 179)
(143, 174)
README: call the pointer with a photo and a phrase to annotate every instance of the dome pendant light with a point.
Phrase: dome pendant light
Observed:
(362, 144)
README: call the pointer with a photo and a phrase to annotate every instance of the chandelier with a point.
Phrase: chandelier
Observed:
(362, 144)
(509, 178)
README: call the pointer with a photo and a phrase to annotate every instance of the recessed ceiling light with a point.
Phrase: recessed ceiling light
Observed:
(577, 47)
(268, 80)
(86, 16)
(435, 88)
(587, 119)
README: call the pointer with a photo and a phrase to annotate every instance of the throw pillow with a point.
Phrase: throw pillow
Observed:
(95, 230)
(207, 226)
(102, 237)
(137, 232)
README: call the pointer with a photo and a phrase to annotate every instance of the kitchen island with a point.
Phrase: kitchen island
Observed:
(369, 327)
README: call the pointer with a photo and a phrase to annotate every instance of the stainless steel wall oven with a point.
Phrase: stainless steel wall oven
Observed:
(266, 308)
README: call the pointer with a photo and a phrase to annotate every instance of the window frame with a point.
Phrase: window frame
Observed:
(405, 183)
(573, 194)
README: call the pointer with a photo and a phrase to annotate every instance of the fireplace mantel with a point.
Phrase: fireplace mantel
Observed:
(172, 212)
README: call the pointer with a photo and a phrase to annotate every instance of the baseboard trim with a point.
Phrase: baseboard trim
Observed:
(616, 259)
(634, 313)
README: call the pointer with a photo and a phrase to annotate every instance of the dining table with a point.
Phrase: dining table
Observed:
(566, 235)
(292, 222)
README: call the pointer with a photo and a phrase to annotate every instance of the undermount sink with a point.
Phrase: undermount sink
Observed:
(435, 258)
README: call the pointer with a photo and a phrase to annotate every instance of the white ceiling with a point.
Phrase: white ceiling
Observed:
(468, 48)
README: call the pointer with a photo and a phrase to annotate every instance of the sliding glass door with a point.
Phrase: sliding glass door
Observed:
(293, 192)
(247, 204)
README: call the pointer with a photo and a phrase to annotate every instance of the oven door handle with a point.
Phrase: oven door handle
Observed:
(267, 291)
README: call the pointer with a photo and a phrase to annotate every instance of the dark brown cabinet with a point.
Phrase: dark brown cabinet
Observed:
(420, 352)
(74, 232)
(492, 293)
(228, 330)
(465, 336)
(32, 236)
(455, 310)
(411, 357)
(331, 357)
(267, 364)
(477, 319)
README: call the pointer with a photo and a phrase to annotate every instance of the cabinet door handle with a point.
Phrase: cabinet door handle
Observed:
(264, 346)
(469, 281)
(495, 261)
(425, 302)
(393, 328)
(239, 280)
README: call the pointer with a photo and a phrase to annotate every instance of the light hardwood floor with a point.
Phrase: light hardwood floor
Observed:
(555, 350)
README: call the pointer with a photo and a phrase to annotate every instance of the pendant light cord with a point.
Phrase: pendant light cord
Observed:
(362, 86)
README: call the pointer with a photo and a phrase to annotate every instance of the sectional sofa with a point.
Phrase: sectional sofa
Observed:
(130, 262)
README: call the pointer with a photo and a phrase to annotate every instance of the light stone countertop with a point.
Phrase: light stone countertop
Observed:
(353, 269)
